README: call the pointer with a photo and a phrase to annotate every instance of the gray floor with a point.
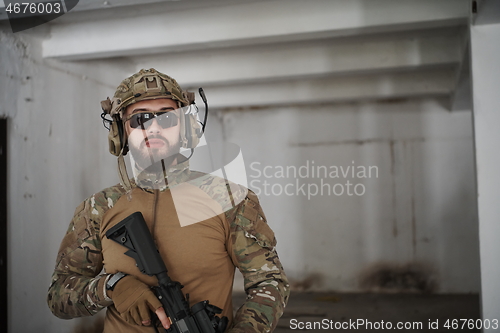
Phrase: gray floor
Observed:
(332, 309)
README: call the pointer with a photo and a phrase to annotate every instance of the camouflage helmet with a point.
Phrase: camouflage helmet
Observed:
(143, 85)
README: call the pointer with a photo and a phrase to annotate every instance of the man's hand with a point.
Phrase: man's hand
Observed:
(135, 300)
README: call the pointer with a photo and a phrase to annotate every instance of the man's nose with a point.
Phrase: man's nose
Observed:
(154, 127)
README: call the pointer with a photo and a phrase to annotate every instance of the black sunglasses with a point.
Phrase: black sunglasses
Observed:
(164, 119)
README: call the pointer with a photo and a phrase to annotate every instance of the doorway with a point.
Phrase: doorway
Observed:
(3, 225)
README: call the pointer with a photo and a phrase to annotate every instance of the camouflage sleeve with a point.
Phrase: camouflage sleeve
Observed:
(254, 253)
(77, 289)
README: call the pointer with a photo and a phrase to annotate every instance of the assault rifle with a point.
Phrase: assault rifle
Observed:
(134, 234)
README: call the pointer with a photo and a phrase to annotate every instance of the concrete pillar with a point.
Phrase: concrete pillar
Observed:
(485, 55)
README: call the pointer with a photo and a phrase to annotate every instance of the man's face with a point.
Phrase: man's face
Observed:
(149, 142)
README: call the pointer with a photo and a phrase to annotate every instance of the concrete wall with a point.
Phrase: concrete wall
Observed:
(417, 206)
(57, 157)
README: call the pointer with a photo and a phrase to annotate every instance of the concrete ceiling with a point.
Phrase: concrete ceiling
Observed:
(254, 53)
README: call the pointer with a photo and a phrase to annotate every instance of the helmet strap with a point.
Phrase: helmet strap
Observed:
(122, 174)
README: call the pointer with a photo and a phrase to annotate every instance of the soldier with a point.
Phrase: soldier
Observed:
(204, 226)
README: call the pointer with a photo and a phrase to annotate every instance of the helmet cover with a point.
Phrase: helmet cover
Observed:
(147, 84)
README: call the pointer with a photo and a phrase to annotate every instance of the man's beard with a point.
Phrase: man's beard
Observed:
(155, 160)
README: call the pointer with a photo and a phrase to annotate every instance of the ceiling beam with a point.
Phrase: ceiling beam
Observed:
(308, 59)
(389, 86)
(234, 25)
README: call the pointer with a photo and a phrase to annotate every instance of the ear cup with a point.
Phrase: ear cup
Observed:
(116, 137)
(192, 131)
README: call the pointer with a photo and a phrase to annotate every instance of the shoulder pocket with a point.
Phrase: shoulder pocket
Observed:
(252, 220)
(77, 232)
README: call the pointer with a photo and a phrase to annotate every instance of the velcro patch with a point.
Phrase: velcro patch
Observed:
(249, 212)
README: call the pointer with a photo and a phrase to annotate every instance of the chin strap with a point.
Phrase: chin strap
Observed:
(124, 180)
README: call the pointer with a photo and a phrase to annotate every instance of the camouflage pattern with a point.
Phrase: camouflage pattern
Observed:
(77, 287)
(175, 175)
(265, 282)
(146, 84)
